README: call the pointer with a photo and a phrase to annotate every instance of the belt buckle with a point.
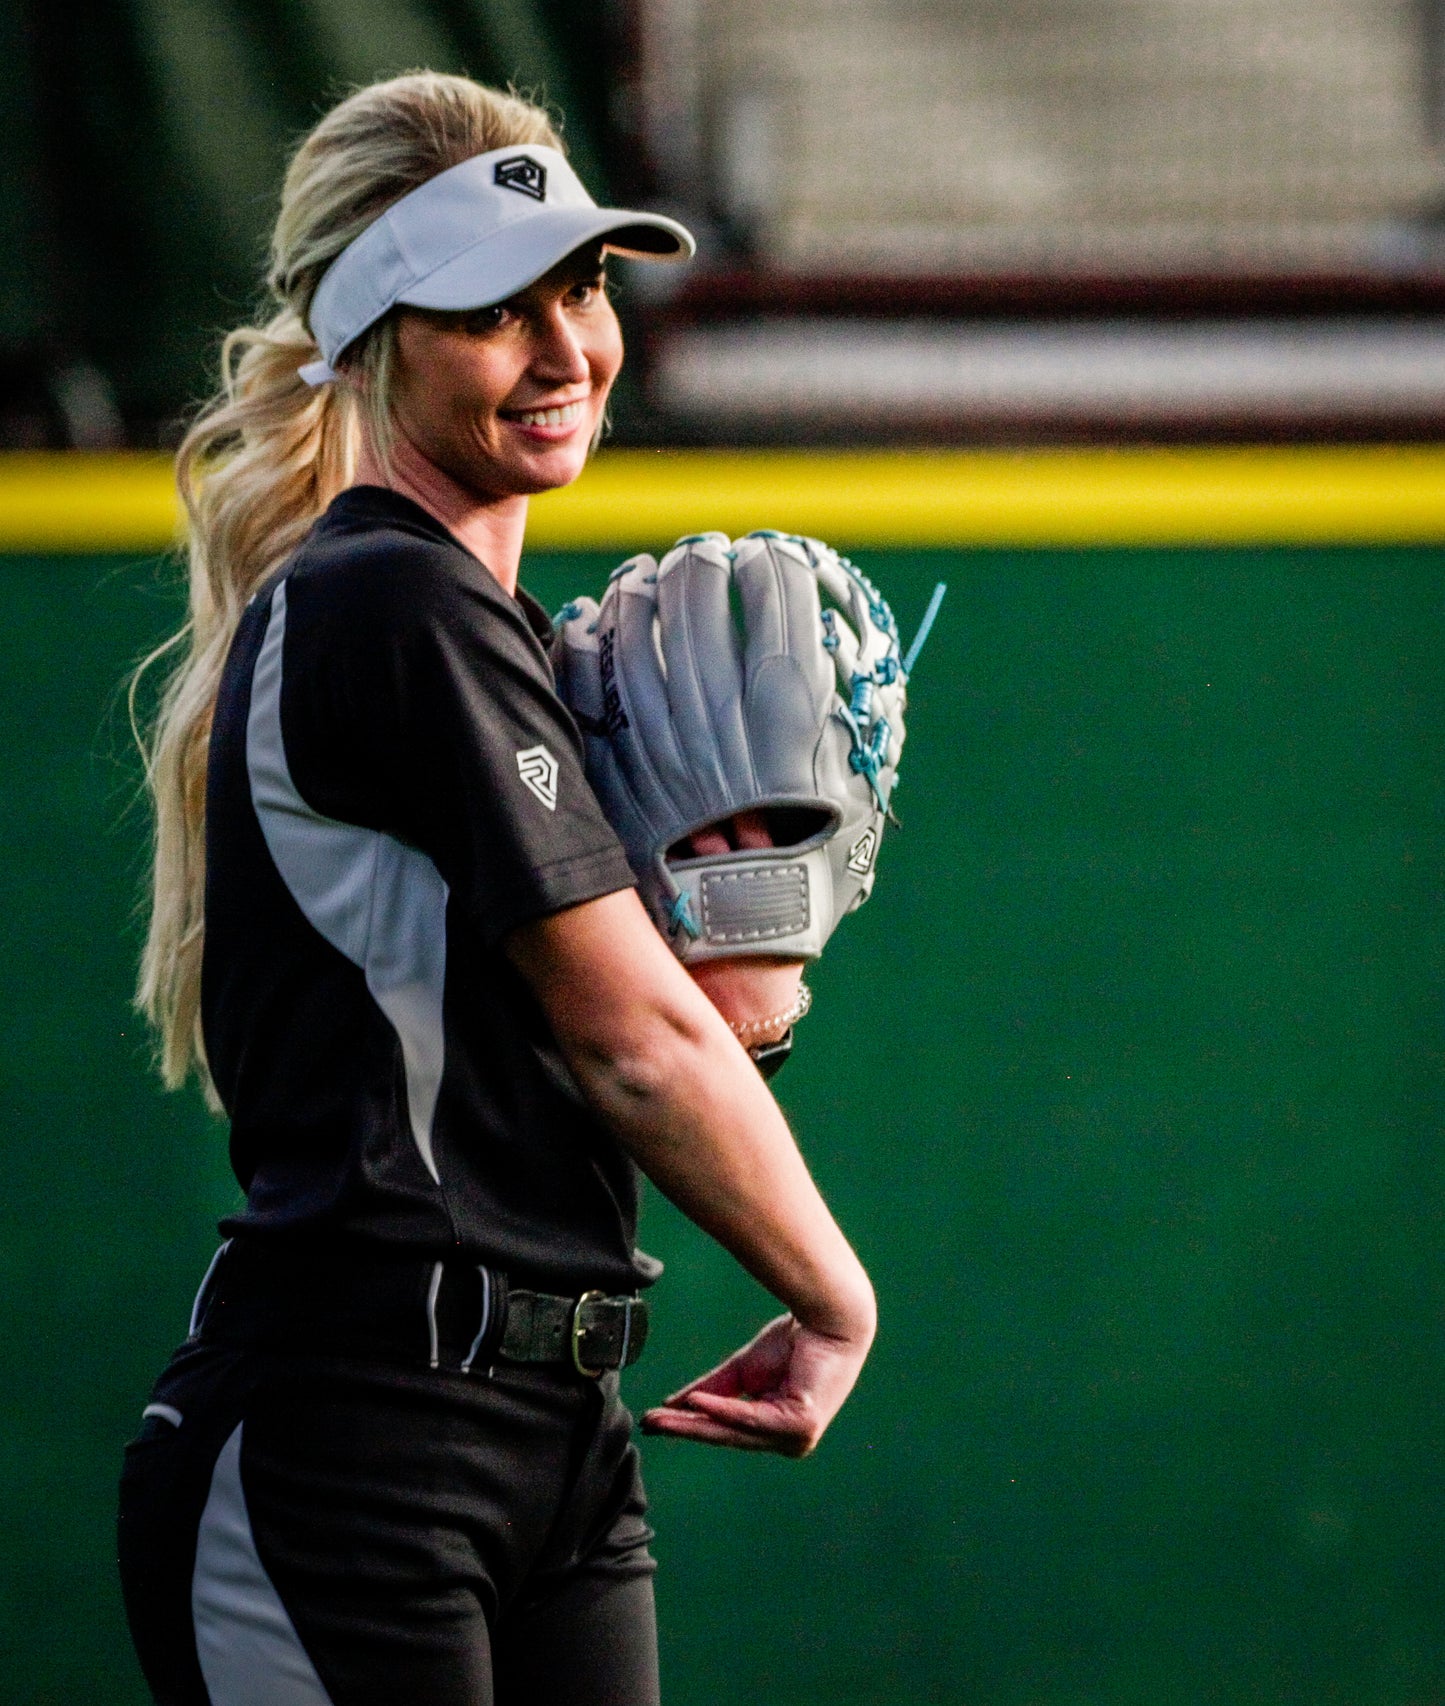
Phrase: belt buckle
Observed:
(577, 1362)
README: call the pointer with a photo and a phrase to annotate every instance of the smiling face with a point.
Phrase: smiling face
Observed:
(506, 400)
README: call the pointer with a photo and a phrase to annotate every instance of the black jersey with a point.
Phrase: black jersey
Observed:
(393, 786)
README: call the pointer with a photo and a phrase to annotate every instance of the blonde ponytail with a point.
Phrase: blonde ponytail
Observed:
(265, 457)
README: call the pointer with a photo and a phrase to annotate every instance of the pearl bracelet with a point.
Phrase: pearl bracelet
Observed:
(749, 1030)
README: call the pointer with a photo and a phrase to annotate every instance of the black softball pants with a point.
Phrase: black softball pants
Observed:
(313, 1530)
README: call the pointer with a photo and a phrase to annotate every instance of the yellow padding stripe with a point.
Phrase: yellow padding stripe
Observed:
(87, 501)
(630, 499)
(1038, 497)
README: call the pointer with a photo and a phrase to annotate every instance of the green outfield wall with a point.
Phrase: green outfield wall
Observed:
(1128, 1085)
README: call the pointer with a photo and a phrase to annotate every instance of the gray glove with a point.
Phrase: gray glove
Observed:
(763, 675)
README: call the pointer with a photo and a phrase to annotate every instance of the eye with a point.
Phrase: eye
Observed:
(588, 289)
(489, 319)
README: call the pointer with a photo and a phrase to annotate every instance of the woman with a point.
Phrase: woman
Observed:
(397, 938)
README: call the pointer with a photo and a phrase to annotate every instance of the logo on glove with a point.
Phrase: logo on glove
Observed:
(523, 174)
(538, 770)
(862, 852)
(614, 718)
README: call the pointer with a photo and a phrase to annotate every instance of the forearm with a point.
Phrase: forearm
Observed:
(702, 1125)
(662, 1069)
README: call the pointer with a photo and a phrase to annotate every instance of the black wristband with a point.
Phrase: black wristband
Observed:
(769, 1057)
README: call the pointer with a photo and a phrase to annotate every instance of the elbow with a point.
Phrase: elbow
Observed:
(639, 1064)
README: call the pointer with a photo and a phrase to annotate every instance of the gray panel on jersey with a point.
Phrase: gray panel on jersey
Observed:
(249, 1651)
(380, 903)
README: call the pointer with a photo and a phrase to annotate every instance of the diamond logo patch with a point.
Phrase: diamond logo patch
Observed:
(523, 174)
(538, 770)
(861, 853)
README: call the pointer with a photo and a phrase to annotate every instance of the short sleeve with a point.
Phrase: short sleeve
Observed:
(499, 793)
(446, 730)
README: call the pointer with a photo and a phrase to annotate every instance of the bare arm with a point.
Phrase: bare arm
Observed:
(653, 1056)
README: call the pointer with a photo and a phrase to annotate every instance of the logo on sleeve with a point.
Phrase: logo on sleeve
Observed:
(523, 174)
(538, 770)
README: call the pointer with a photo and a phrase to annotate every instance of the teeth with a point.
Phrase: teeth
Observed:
(564, 416)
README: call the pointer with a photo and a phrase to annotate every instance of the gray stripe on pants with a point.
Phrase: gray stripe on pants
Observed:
(248, 1647)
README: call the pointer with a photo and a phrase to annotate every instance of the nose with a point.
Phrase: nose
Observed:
(559, 354)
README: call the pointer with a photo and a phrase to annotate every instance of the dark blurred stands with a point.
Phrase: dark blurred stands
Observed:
(1049, 219)
(922, 220)
(144, 142)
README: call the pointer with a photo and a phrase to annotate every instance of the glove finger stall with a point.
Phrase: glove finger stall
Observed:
(789, 684)
(702, 656)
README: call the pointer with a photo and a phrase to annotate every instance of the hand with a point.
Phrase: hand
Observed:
(778, 1393)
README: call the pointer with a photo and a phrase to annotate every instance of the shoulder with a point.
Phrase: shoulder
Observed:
(376, 549)
(378, 574)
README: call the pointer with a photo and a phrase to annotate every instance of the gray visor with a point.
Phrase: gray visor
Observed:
(473, 235)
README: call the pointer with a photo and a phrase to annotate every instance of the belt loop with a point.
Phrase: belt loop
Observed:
(494, 1315)
(486, 1320)
(626, 1334)
(433, 1339)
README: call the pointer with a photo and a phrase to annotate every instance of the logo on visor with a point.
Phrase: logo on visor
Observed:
(523, 174)
(538, 770)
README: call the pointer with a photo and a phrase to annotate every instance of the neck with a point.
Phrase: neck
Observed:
(490, 528)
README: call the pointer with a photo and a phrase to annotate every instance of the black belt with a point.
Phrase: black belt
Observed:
(593, 1332)
(446, 1314)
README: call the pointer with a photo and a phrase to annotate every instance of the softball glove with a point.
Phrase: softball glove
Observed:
(762, 675)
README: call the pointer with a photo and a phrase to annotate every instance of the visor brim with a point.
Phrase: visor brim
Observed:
(503, 262)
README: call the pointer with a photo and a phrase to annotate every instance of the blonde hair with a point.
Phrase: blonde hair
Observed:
(265, 457)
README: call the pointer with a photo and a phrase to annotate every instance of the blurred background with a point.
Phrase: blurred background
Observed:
(975, 219)
(1124, 317)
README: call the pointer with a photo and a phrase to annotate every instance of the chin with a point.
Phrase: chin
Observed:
(551, 469)
(490, 478)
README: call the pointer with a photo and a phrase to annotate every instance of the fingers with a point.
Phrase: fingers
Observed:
(751, 829)
(785, 1423)
(700, 1431)
(783, 1433)
(706, 843)
(747, 830)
